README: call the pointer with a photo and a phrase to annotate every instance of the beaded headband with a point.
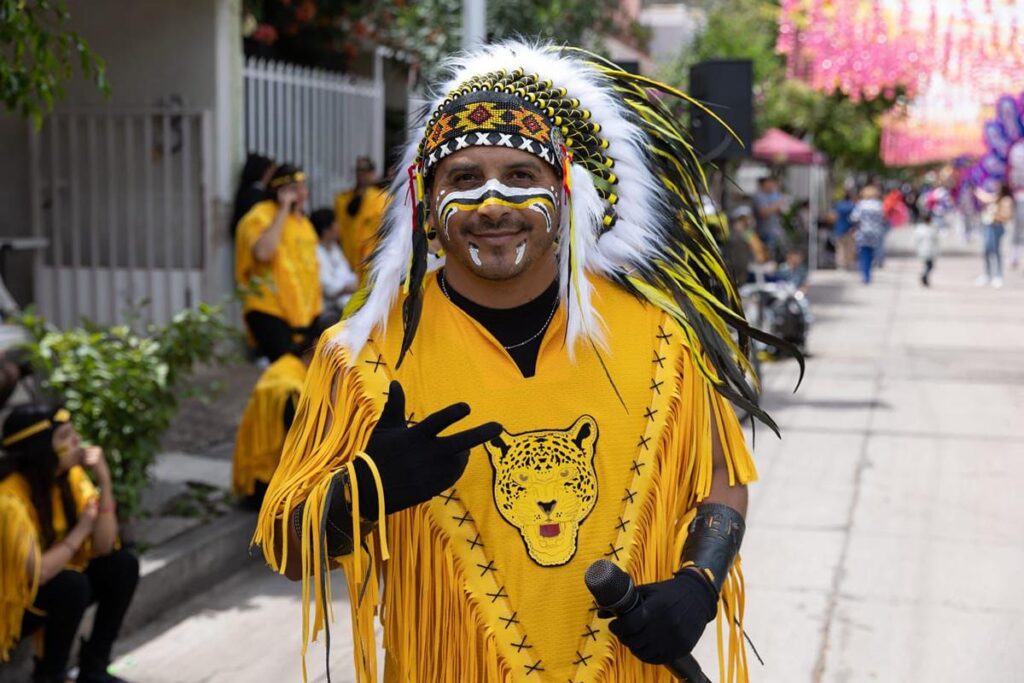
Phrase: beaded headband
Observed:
(521, 111)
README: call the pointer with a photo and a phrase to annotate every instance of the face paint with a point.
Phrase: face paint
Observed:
(474, 252)
(538, 199)
(521, 250)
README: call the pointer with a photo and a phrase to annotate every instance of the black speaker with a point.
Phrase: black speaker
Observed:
(726, 87)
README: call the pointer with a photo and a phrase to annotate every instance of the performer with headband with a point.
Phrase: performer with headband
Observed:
(58, 545)
(275, 261)
(585, 320)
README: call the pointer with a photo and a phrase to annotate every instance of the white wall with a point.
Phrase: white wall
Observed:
(156, 52)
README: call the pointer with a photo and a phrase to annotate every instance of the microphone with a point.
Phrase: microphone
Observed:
(614, 592)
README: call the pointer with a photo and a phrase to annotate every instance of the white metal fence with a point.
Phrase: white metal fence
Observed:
(317, 119)
(123, 198)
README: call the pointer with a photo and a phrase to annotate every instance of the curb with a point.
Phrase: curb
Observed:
(169, 574)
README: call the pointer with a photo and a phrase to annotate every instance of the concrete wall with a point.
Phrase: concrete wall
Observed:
(157, 53)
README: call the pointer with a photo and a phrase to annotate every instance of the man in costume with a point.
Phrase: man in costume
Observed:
(585, 318)
(276, 265)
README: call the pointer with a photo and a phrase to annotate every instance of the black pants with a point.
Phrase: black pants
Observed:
(273, 335)
(108, 581)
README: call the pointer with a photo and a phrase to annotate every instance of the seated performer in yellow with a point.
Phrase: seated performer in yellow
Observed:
(58, 545)
(268, 416)
(275, 262)
(585, 317)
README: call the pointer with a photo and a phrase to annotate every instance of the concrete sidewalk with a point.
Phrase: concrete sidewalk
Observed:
(884, 536)
(887, 531)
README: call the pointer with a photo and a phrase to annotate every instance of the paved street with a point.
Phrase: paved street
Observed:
(884, 539)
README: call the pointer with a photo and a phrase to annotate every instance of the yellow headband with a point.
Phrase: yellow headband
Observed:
(296, 177)
(60, 417)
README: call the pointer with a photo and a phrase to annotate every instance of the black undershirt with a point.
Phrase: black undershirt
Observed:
(511, 326)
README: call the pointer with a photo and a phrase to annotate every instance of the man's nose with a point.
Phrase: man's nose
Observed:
(493, 211)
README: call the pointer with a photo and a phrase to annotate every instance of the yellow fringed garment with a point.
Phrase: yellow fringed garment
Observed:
(261, 431)
(19, 552)
(480, 587)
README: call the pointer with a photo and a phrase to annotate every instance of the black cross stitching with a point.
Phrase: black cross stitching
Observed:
(449, 497)
(474, 542)
(376, 363)
(500, 594)
(411, 420)
(644, 441)
(656, 386)
(649, 414)
(663, 335)
(510, 620)
(614, 552)
(489, 567)
(660, 360)
(623, 523)
(582, 659)
(637, 464)
(466, 517)
(532, 668)
(590, 633)
(521, 645)
(630, 495)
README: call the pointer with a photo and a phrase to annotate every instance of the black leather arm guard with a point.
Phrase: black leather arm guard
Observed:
(337, 524)
(714, 539)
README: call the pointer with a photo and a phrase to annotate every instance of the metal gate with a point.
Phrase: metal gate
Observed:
(317, 119)
(123, 199)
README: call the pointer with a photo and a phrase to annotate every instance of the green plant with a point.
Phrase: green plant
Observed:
(123, 388)
(37, 54)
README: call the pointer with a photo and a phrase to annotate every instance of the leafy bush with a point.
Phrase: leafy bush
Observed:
(122, 387)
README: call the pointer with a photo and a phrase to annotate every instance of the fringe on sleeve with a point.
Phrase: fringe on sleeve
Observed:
(680, 482)
(332, 424)
(19, 548)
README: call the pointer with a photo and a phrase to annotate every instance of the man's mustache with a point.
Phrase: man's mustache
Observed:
(481, 224)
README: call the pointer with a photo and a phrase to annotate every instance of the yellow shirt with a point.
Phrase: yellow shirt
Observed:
(485, 582)
(261, 432)
(290, 283)
(20, 540)
(358, 233)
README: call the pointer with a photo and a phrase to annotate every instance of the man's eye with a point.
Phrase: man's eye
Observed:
(464, 177)
(522, 175)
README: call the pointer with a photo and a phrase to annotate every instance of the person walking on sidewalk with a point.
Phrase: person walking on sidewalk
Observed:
(276, 265)
(998, 212)
(926, 235)
(584, 316)
(58, 545)
(869, 219)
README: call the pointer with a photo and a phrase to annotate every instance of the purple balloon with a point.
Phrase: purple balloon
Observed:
(1008, 115)
(995, 138)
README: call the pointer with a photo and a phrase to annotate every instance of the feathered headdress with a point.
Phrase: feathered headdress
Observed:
(633, 210)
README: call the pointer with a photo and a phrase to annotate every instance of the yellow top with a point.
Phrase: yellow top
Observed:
(261, 432)
(358, 233)
(486, 581)
(289, 286)
(19, 541)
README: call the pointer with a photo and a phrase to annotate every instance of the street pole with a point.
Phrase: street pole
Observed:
(474, 23)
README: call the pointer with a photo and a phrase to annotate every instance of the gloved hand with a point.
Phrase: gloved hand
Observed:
(670, 618)
(415, 464)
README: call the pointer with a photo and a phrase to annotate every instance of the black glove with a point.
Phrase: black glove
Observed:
(415, 464)
(670, 618)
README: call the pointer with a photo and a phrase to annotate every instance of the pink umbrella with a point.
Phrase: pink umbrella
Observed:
(779, 147)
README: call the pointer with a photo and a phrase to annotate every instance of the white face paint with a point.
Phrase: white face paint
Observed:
(539, 199)
(521, 251)
(474, 252)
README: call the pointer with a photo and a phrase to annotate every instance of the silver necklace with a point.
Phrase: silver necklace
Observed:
(544, 327)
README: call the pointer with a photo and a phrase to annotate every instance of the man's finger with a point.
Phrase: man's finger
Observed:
(435, 423)
(394, 409)
(471, 438)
